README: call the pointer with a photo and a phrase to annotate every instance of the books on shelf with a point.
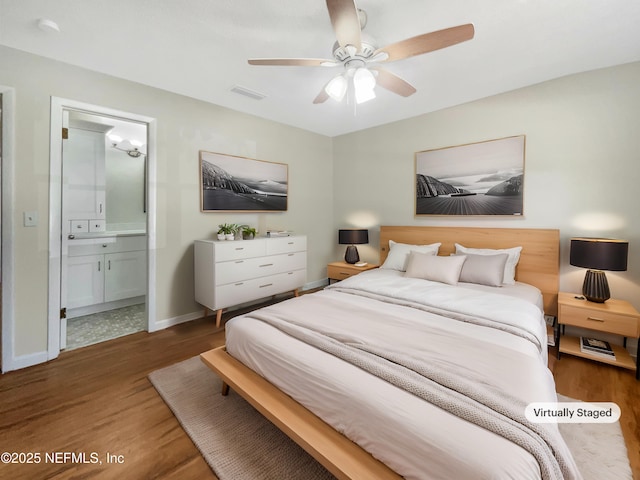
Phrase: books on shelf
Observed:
(551, 336)
(550, 320)
(600, 348)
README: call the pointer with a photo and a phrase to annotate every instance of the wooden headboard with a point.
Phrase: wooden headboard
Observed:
(539, 263)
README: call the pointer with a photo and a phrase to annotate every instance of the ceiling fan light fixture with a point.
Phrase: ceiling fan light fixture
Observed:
(364, 95)
(364, 83)
(337, 87)
(363, 79)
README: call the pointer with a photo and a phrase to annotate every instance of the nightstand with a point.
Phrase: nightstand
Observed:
(342, 270)
(616, 317)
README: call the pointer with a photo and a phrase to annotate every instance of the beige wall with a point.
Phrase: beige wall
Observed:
(184, 126)
(581, 173)
(582, 167)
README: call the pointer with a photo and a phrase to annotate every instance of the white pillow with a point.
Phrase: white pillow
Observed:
(399, 254)
(484, 269)
(435, 268)
(509, 267)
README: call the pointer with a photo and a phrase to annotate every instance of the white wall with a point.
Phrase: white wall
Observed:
(184, 126)
(582, 165)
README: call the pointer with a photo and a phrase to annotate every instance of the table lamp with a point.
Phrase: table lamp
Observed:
(352, 238)
(598, 254)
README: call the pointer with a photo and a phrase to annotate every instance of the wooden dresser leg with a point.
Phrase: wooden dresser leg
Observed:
(295, 293)
(218, 317)
(225, 389)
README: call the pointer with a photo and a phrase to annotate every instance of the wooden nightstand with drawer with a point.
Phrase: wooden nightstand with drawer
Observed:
(616, 317)
(342, 270)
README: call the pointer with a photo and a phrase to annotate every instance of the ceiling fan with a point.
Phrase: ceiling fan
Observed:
(360, 56)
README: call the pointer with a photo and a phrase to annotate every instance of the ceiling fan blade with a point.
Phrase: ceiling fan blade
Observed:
(346, 22)
(427, 42)
(297, 62)
(393, 83)
(322, 97)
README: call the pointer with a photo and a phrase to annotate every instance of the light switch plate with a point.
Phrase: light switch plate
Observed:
(30, 219)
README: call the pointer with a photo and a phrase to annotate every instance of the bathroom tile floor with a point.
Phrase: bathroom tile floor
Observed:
(99, 327)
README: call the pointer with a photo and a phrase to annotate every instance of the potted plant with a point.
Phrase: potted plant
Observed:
(227, 231)
(248, 232)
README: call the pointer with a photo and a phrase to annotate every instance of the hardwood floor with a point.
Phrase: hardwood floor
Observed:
(595, 382)
(98, 399)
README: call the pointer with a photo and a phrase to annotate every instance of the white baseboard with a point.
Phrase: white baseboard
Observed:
(170, 322)
(316, 284)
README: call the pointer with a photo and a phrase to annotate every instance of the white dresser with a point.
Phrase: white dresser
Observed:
(229, 273)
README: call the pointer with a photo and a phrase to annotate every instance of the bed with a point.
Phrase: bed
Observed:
(444, 365)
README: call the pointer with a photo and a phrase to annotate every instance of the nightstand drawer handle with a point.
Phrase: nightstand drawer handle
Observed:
(344, 273)
(595, 319)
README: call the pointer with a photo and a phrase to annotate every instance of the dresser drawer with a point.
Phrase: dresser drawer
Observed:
(257, 288)
(286, 245)
(238, 249)
(601, 321)
(237, 270)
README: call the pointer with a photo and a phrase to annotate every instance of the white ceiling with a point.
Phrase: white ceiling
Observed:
(200, 48)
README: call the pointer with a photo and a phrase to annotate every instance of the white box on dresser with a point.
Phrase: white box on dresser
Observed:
(229, 273)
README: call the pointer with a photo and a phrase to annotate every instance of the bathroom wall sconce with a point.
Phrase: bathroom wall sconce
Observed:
(130, 147)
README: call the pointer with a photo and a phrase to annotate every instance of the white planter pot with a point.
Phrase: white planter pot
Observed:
(221, 236)
(229, 236)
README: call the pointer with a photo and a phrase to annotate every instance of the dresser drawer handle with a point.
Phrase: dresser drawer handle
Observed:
(239, 261)
(595, 319)
(239, 248)
(267, 265)
(238, 284)
(291, 243)
(266, 285)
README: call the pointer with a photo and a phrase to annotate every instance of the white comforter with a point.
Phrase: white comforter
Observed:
(413, 437)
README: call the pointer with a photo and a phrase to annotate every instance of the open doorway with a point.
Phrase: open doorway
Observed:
(103, 261)
(102, 213)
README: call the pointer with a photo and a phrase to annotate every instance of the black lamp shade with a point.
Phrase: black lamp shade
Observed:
(598, 254)
(352, 238)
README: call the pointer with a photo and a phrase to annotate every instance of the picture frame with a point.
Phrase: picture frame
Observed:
(483, 178)
(229, 183)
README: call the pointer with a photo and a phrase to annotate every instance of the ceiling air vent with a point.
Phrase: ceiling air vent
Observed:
(247, 93)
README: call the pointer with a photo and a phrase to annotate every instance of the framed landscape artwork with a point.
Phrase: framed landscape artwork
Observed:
(238, 184)
(484, 178)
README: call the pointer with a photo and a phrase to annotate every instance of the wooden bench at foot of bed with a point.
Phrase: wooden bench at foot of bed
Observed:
(334, 451)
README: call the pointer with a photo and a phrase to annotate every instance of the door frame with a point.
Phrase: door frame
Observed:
(58, 105)
(7, 205)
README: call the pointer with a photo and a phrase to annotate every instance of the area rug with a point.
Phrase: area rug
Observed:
(238, 442)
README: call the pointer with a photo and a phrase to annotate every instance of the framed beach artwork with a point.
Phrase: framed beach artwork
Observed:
(238, 184)
(484, 178)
